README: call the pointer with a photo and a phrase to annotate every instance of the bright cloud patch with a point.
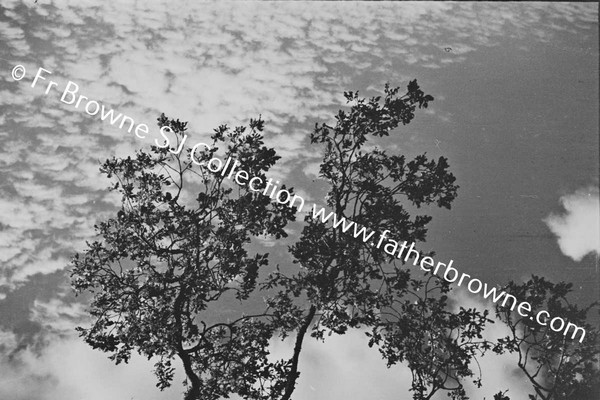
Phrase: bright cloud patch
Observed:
(578, 230)
(69, 369)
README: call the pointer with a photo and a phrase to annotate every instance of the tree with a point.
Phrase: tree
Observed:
(439, 345)
(177, 246)
(352, 283)
(558, 367)
(180, 243)
(501, 396)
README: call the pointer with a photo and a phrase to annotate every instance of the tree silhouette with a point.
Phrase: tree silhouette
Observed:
(351, 283)
(180, 246)
(177, 247)
(558, 367)
(439, 345)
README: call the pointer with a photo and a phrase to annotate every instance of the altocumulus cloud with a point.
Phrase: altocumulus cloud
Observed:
(286, 61)
(219, 64)
(578, 230)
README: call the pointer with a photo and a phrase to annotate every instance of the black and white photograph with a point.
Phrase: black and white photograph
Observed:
(299, 200)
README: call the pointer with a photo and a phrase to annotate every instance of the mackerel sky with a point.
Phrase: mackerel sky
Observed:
(515, 112)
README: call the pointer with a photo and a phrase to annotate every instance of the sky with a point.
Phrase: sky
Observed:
(515, 112)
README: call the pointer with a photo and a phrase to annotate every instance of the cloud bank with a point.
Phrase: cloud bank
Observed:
(69, 369)
(341, 368)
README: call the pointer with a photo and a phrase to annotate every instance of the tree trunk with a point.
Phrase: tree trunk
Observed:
(194, 391)
(293, 376)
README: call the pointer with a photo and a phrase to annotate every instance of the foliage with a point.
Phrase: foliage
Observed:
(501, 396)
(558, 367)
(179, 246)
(349, 283)
(438, 345)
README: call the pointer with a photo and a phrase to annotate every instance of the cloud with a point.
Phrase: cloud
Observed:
(220, 64)
(341, 368)
(578, 230)
(57, 316)
(499, 372)
(69, 369)
(344, 367)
